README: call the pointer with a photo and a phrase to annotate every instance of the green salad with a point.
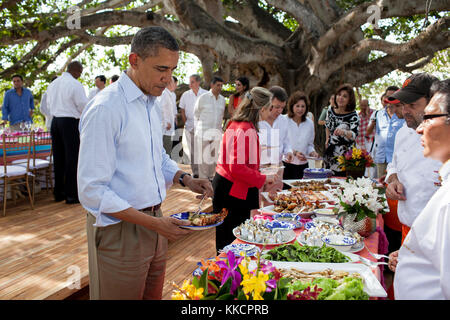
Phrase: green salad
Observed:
(297, 253)
(349, 288)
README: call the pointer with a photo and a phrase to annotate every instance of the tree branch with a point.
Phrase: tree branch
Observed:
(389, 8)
(436, 37)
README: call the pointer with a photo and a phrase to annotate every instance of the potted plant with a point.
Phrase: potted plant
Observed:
(360, 201)
(355, 161)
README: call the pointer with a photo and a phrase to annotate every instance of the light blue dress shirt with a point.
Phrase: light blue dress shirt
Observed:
(382, 128)
(394, 125)
(122, 162)
(17, 108)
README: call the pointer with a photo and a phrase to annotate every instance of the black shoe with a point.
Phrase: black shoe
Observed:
(72, 200)
(59, 198)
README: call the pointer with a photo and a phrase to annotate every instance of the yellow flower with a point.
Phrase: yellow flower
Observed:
(341, 159)
(187, 292)
(356, 153)
(255, 284)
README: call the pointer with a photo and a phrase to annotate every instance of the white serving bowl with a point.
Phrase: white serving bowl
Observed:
(339, 242)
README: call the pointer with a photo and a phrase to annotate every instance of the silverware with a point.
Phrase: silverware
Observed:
(370, 263)
(200, 205)
(376, 255)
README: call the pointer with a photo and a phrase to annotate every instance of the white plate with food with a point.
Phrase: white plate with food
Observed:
(276, 238)
(201, 220)
(270, 210)
(354, 249)
(372, 285)
(321, 184)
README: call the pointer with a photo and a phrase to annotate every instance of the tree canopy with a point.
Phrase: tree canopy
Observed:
(309, 45)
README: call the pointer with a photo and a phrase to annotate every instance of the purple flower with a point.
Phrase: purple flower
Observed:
(229, 270)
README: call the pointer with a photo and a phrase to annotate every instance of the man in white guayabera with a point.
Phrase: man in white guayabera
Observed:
(208, 117)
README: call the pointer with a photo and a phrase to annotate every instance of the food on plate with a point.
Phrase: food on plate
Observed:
(329, 284)
(255, 231)
(319, 229)
(295, 202)
(297, 253)
(206, 219)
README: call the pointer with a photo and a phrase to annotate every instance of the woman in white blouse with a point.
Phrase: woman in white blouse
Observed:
(300, 135)
(423, 262)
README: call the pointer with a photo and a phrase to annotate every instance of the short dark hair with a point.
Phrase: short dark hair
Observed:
(442, 87)
(114, 78)
(216, 79)
(75, 66)
(196, 77)
(148, 40)
(102, 78)
(351, 106)
(279, 93)
(293, 99)
(391, 88)
(17, 76)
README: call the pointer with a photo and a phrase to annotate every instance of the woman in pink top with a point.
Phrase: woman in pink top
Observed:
(238, 180)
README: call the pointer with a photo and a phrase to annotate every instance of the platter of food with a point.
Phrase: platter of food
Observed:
(318, 229)
(314, 272)
(308, 254)
(255, 232)
(313, 184)
(201, 220)
(272, 210)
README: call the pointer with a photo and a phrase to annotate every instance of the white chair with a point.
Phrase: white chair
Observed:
(15, 175)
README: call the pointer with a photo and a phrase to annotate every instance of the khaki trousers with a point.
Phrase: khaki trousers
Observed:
(126, 261)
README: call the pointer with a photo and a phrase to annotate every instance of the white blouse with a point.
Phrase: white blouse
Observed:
(423, 269)
(301, 137)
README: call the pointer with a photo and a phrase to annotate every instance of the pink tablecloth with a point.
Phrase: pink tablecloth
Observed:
(372, 243)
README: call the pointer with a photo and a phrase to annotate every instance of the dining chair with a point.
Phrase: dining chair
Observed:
(40, 165)
(14, 146)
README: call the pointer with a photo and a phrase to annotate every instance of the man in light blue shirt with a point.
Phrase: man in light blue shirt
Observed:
(123, 174)
(395, 124)
(18, 104)
(380, 120)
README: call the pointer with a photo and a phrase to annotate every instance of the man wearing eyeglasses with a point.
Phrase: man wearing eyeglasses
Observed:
(412, 179)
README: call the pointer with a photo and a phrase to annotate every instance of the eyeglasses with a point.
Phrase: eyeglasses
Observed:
(426, 117)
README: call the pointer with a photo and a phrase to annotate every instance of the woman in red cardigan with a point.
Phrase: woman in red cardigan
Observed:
(238, 180)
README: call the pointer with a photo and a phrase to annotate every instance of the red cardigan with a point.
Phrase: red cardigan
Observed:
(239, 158)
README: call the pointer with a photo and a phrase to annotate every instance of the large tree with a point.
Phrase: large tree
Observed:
(309, 45)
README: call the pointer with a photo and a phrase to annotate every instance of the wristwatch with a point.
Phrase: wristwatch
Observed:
(180, 180)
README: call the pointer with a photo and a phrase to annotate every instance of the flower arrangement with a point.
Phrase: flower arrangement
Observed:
(355, 158)
(231, 279)
(361, 197)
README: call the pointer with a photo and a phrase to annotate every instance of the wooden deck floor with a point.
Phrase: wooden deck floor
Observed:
(42, 249)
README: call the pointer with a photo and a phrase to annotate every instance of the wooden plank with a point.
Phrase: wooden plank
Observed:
(38, 246)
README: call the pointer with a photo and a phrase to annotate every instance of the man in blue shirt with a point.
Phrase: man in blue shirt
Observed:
(395, 124)
(381, 120)
(123, 174)
(18, 104)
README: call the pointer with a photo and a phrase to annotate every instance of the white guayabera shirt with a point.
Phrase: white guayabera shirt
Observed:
(187, 102)
(208, 114)
(423, 269)
(122, 163)
(418, 174)
(274, 140)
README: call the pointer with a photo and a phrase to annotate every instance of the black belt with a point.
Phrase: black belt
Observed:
(153, 208)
